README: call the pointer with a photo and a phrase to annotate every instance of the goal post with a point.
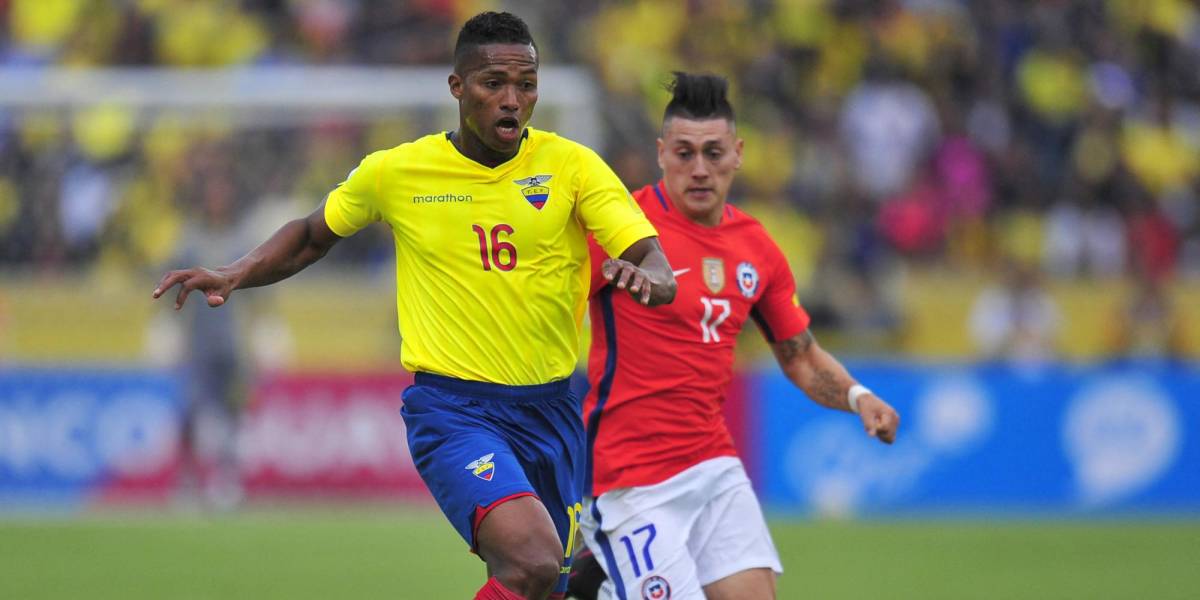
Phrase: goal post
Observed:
(267, 96)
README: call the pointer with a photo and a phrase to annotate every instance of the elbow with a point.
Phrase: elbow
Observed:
(313, 252)
(664, 293)
(316, 244)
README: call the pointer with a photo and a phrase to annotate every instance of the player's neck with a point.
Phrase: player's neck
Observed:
(711, 218)
(473, 148)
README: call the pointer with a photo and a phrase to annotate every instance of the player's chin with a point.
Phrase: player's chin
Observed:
(701, 203)
(503, 144)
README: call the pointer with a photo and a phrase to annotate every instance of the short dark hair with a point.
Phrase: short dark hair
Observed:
(490, 28)
(698, 96)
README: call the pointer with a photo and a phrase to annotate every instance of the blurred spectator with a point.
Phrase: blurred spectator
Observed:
(1015, 318)
(1159, 152)
(889, 127)
(1153, 239)
(915, 220)
(1084, 238)
(1148, 324)
(215, 360)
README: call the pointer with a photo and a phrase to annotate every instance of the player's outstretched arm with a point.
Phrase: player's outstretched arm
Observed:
(296, 245)
(827, 382)
(644, 271)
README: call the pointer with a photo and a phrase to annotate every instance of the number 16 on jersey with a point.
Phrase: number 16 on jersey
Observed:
(503, 253)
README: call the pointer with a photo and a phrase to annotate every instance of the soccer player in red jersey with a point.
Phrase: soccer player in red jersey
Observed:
(670, 512)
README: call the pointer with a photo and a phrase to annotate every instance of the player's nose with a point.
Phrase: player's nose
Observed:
(510, 100)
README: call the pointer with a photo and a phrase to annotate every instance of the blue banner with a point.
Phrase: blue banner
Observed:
(1050, 438)
(67, 434)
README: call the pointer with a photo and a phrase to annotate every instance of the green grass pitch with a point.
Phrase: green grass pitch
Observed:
(327, 553)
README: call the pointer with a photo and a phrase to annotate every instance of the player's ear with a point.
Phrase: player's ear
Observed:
(661, 146)
(456, 86)
(737, 148)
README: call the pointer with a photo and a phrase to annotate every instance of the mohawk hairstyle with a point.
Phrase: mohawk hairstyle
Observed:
(490, 28)
(698, 96)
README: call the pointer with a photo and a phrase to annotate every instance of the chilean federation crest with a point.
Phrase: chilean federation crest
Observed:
(533, 190)
(714, 274)
(483, 467)
(747, 277)
(656, 588)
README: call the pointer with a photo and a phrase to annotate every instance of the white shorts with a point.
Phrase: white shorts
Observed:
(670, 539)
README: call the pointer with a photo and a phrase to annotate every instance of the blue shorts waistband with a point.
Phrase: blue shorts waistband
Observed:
(553, 390)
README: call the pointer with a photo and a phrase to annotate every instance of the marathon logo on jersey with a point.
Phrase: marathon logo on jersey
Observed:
(441, 198)
(747, 277)
(483, 467)
(656, 588)
(536, 193)
(714, 274)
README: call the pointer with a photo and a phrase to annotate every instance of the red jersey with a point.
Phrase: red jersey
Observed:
(659, 374)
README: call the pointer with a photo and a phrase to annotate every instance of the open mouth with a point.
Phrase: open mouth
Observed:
(508, 128)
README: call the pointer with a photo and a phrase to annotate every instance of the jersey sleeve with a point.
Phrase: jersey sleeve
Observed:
(778, 312)
(606, 209)
(352, 204)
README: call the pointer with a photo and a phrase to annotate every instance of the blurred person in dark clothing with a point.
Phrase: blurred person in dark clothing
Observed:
(214, 358)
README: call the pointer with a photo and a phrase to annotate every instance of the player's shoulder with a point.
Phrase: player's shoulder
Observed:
(551, 142)
(410, 157)
(742, 221)
(649, 199)
(749, 230)
(433, 143)
(424, 145)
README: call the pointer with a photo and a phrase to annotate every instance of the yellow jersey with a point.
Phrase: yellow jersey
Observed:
(492, 270)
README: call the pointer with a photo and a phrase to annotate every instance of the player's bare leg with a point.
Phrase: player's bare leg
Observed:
(521, 547)
(751, 584)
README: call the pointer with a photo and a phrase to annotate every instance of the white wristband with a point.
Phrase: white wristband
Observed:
(856, 391)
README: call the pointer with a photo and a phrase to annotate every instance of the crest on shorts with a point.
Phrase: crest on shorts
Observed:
(747, 277)
(656, 588)
(534, 191)
(483, 467)
(714, 274)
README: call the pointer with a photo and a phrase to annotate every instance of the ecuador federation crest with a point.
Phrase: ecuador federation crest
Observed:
(714, 274)
(483, 467)
(534, 191)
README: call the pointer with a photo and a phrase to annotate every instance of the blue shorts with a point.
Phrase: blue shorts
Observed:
(478, 444)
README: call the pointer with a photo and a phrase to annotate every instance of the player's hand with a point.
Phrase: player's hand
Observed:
(878, 417)
(215, 285)
(628, 276)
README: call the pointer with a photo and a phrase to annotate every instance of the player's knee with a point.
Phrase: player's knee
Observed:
(533, 573)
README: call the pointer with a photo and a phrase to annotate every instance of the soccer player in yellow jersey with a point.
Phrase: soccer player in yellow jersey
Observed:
(490, 224)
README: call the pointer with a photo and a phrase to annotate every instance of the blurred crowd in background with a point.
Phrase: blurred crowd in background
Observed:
(1016, 141)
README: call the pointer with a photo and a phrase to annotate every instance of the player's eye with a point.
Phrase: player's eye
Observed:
(714, 154)
(684, 154)
(492, 83)
(529, 85)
